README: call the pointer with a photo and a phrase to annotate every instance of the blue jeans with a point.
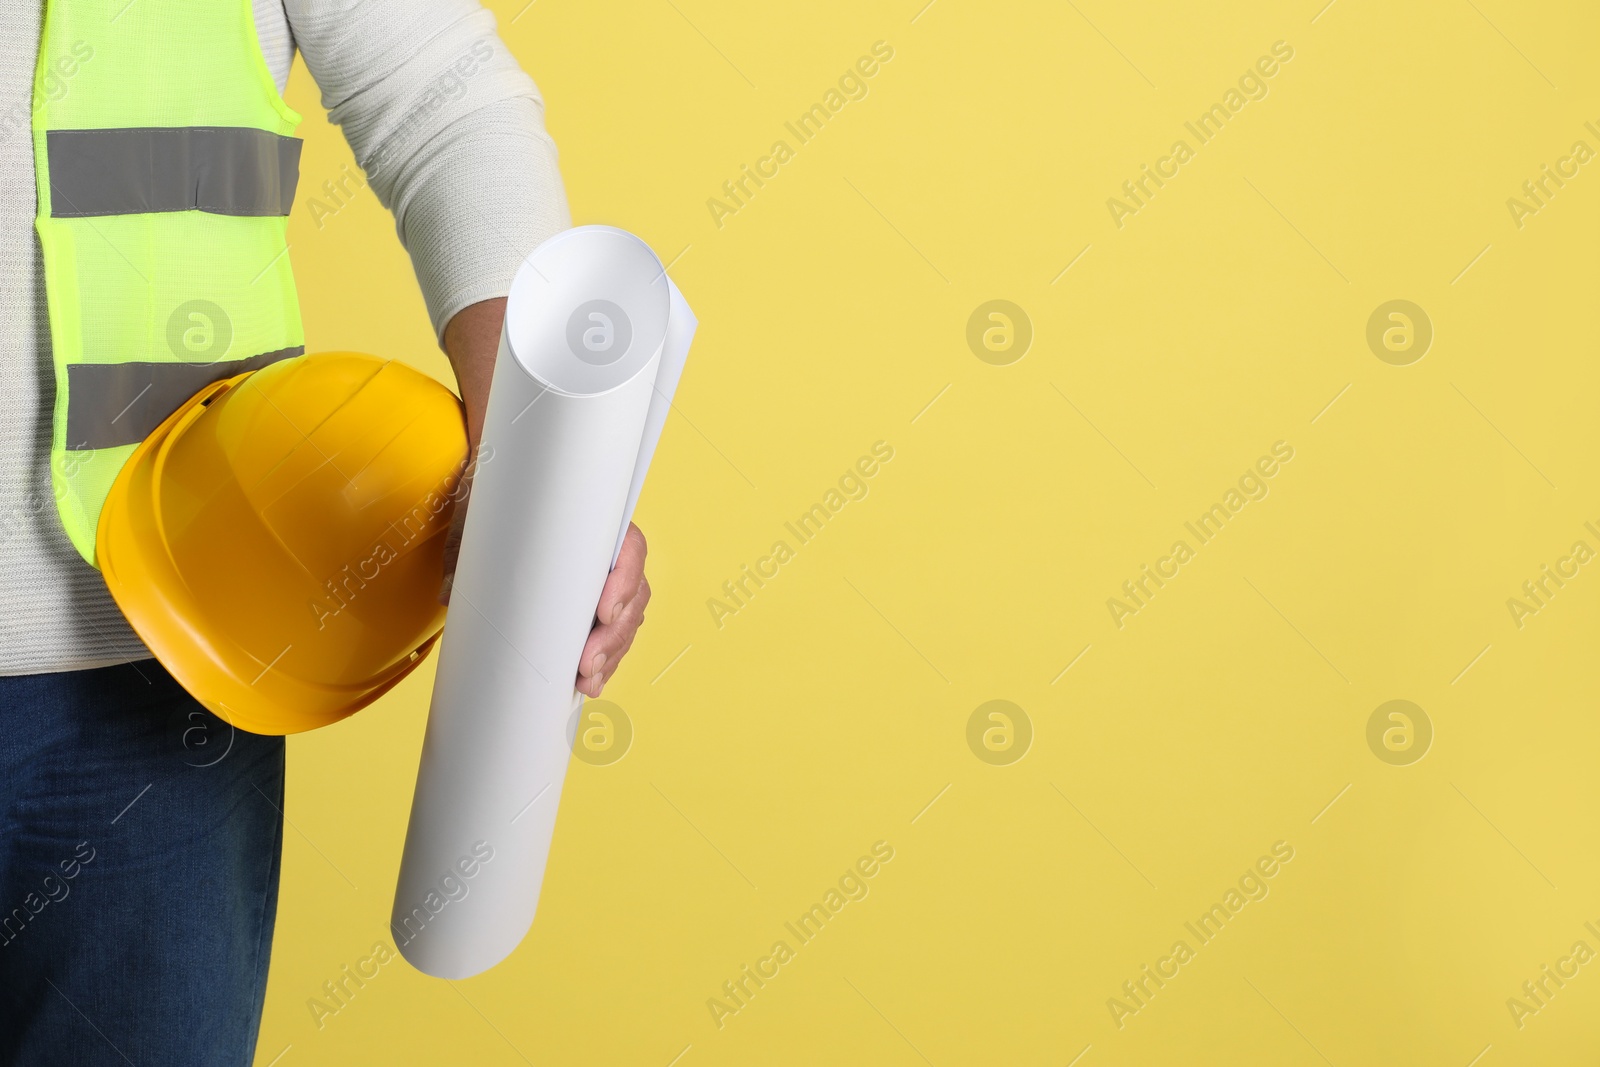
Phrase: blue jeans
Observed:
(139, 844)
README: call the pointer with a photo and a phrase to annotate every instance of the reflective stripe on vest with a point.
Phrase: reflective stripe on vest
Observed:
(227, 171)
(166, 169)
(120, 403)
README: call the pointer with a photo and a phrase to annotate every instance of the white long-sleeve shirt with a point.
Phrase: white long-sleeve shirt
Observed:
(451, 134)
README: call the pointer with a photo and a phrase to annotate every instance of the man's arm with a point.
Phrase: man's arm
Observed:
(450, 133)
(471, 340)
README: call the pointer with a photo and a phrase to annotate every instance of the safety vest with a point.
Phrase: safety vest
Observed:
(166, 170)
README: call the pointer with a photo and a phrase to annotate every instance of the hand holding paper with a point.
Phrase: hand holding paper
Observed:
(594, 342)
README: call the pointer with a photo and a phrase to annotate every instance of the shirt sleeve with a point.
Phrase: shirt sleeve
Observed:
(449, 130)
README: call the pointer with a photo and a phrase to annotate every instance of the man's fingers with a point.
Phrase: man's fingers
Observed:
(458, 523)
(591, 685)
(621, 610)
(604, 663)
(623, 583)
(608, 641)
(606, 667)
(452, 551)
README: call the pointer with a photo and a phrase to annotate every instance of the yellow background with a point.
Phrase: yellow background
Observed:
(1227, 715)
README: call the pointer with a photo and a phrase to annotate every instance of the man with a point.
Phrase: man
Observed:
(139, 843)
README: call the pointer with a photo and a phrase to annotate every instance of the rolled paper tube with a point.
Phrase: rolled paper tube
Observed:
(594, 342)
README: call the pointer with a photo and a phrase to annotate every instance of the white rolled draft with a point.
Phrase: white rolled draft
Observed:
(594, 342)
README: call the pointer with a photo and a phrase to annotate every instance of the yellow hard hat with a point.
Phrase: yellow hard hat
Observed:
(278, 541)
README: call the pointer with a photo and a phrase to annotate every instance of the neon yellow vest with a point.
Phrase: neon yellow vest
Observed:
(166, 169)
